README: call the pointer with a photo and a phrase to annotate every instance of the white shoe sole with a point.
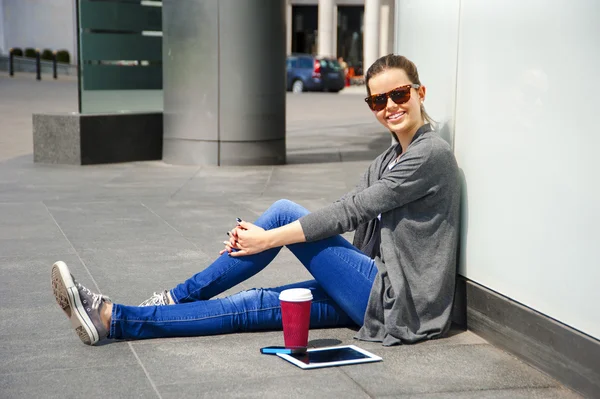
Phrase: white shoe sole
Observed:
(67, 296)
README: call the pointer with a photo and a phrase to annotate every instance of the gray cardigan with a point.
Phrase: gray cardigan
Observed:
(419, 202)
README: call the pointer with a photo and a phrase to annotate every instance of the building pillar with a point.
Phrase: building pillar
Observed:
(334, 31)
(326, 46)
(224, 82)
(371, 32)
(385, 24)
(3, 48)
(288, 26)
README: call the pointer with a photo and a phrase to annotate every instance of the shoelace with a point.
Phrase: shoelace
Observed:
(157, 299)
(96, 298)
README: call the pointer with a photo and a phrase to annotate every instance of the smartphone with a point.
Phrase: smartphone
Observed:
(273, 350)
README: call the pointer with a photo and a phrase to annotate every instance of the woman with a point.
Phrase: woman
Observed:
(396, 283)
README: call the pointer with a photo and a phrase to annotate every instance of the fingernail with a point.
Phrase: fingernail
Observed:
(238, 220)
(228, 234)
(225, 242)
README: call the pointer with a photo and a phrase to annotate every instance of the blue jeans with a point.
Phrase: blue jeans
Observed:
(343, 277)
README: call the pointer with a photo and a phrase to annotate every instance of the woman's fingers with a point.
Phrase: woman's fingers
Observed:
(247, 225)
(232, 242)
(229, 247)
(235, 241)
(241, 252)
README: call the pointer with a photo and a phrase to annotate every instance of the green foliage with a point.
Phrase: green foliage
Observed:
(17, 52)
(63, 56)
(47, 55)
(30, 52)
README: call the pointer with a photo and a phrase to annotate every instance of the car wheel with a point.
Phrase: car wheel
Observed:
(297, 86)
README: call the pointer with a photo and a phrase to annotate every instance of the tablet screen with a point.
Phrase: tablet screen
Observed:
(330, 355)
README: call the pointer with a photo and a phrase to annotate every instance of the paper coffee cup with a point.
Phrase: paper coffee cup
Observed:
(295, 316)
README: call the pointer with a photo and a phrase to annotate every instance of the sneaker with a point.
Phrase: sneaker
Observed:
(80, 304)
(157, 299)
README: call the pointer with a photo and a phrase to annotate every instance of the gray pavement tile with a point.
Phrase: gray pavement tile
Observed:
(528, 393)
(57, 182)
(35, 322)
(59, 352)
(28, 305)
(112, 234)
(152, 174)
(25, 280)
(324, 383)
(457, 336)
(307, 157)
(439, 368)
(226, 181)
(130, 274)
(214, 359)
(108, 220)
(123, 381)
(207, 359)
(208, 219)
(303, 183)
(53, 244)
(27, 228)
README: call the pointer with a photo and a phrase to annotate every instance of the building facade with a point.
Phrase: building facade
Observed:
(39, 24)
(360, 31)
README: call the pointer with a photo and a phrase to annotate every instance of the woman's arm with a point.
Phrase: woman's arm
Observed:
(412, 177)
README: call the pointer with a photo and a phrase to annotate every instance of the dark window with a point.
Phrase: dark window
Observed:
(292, 62)
(305, 63)
(330, 64)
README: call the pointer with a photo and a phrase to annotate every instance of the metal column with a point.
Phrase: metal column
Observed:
(224, 81)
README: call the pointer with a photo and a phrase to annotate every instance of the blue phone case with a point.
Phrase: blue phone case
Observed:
(273, 350)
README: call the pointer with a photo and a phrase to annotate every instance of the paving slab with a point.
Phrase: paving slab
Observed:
(326, 384)
(456, 368)
(110, 381)
(526, 393)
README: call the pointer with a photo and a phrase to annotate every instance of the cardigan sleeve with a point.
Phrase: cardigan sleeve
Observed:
(408, 181)
(364, 181)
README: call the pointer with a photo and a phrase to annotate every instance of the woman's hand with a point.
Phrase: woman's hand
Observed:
(247, 239)
(251, 239)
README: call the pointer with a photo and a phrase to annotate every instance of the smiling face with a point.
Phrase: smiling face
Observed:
(401, 119)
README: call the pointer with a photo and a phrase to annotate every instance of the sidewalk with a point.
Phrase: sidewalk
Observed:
(128, 230)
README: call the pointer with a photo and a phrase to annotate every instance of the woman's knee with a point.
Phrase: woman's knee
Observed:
(288, 208)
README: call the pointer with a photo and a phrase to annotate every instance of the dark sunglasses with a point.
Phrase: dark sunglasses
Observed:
(399, 95)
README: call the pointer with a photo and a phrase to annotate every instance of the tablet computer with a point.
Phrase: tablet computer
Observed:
(330, 357)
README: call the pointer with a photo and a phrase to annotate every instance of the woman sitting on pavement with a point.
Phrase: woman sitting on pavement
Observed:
(396, 283)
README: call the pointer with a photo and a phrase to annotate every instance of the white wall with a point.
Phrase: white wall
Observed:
(427, 33)
(39, 24)
(526, 139)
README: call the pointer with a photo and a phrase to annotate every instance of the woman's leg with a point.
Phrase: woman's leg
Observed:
(252, 310)
(344, 277)
(344, 273)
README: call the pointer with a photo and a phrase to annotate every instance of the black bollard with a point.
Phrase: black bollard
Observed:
(54, 72)
(38, 65)
(11, 66)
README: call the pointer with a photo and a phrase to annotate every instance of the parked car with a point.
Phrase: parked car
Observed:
(306, 72)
